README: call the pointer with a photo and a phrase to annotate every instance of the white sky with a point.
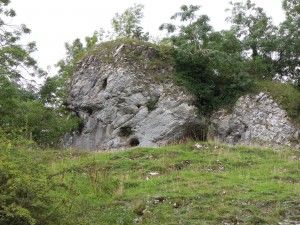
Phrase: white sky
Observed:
(54, 22)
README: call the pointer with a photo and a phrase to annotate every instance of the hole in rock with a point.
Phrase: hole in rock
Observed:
(134, 142)
(104, 84)
(80, 126)
(90, 111)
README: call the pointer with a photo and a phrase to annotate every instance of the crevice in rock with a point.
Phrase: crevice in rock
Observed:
(133, 142)
(80, 127)
(104, 84)
(94, 84)
(88, 110)
(237, 138)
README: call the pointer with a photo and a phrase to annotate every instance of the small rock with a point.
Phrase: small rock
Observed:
(198, 146)
(159, 200)
(153, 173)
(138, 220)
(175, 205)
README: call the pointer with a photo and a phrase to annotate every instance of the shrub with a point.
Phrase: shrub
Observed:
(24, 187)
(125, 131)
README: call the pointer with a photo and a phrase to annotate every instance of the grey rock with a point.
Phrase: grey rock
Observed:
(123, 104)
(254, 120)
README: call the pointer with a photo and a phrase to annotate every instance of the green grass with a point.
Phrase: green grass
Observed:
(214, 185)
(132, 53)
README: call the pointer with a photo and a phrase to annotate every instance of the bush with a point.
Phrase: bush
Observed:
(24, 186)
(211, 90)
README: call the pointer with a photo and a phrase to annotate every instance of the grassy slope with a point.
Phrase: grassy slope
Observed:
(214, 185)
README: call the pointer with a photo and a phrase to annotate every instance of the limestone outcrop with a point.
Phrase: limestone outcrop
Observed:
(125, 97)
(254, 120)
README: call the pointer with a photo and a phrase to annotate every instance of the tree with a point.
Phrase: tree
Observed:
(15, 58)
(54, 90)
(9, 100)
(288, 60)
(128, 23)
(208, 63)
(51, 126)
(257, 34)
(22, 113)
(193, 33)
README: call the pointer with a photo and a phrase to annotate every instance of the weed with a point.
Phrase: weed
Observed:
(125, 131)
(151, 105)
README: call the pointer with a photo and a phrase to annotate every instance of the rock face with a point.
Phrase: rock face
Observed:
(255, 120)
(125, 98)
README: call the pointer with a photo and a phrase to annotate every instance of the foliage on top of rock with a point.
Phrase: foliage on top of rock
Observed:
(133, 50)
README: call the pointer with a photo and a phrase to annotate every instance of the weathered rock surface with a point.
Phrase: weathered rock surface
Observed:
(125, 99)
(255, 120)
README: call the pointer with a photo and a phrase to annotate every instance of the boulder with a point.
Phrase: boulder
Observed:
(254, 120)
(126, 97)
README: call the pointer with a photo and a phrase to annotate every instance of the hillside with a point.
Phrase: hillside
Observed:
(180, 184)
(127, 90)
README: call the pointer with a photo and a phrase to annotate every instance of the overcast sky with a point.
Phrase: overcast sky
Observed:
(54, 22)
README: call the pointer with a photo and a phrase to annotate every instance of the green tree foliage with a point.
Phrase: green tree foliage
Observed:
(57, 86)
(52, 123)
(22, 113)
(21, 110)
(208, 63)
(15, 58)
(257, 34)
(25, 189)
(23, 195)
(54, 91)
(288, 63)
(128, 23)
(8, 100)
